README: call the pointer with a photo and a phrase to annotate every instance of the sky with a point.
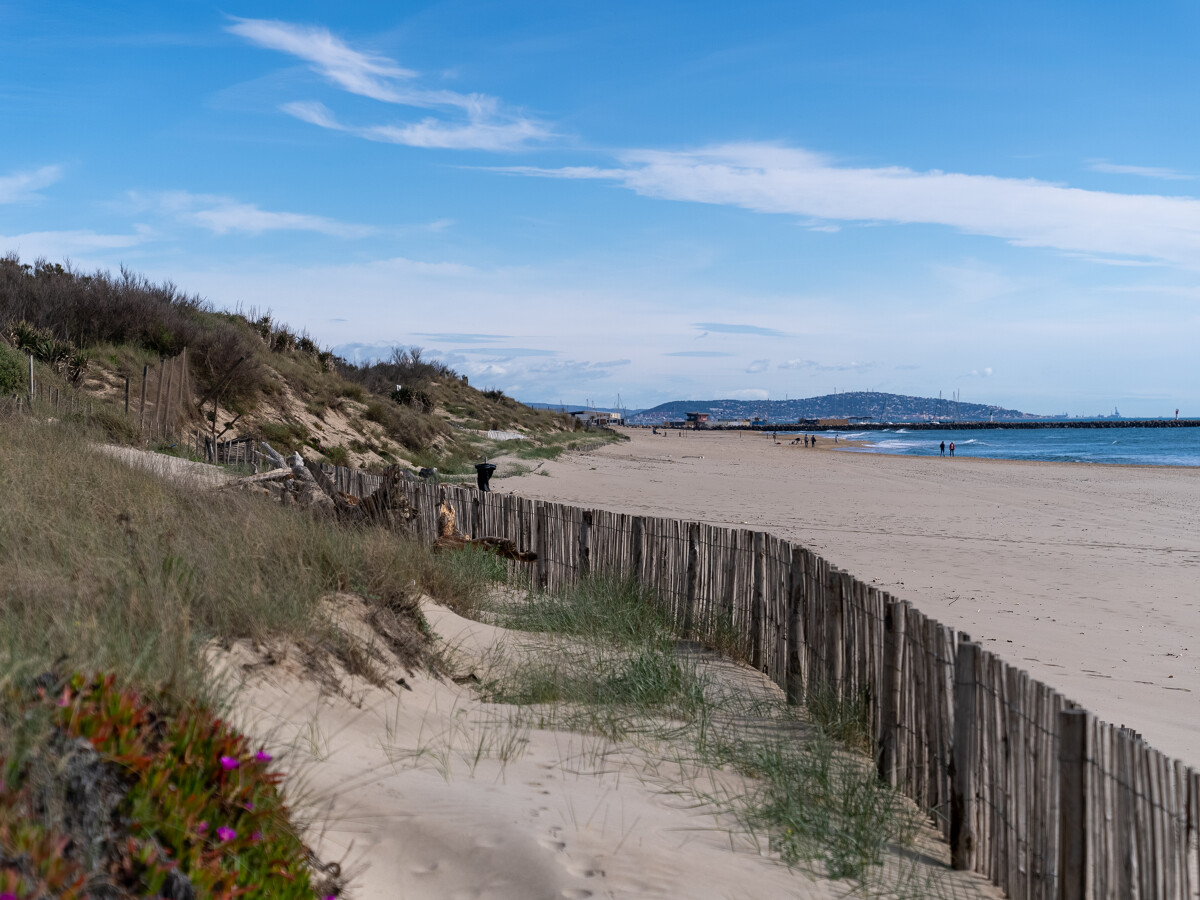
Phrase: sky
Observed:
(643, 201)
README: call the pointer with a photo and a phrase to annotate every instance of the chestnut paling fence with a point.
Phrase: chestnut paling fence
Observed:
(1028, 788)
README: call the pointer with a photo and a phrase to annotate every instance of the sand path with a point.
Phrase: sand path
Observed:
(428, 793)
(1086, 575)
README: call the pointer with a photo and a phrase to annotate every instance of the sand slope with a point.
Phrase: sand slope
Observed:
(1086, 575)
(426, 792)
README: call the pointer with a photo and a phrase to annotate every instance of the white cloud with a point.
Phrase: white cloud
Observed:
(759, 365)
(23, 186)
(352, 70)
(223, 215)
(60, 245)
(775, 179)
(1101, 165)
(746, 394)
(482, 123)
(815, 366)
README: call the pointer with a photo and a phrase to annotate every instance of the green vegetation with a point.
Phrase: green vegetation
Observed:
(13, 373)
(612, 665)
(94, 330)
(107, 569)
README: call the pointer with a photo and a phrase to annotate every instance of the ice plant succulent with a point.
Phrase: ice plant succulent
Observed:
(188, 770)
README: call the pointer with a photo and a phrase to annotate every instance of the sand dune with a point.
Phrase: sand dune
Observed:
(1086, 575)
(428, 793)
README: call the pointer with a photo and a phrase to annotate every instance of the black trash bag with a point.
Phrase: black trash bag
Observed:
(483, 474)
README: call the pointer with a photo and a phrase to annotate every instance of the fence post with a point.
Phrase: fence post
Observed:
(142, 407)
(795, 628)
(757, 602)
(894, 624)
(31, 381)
(962, 757)
(585, 543)
(1073, 811)
(693, 566)
(639, 528)
(540, 543)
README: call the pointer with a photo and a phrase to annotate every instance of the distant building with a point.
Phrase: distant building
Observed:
(591, 417)
(697, 419)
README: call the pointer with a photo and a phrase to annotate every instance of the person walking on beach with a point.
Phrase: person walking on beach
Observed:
(943, 448)
(952, 448)
(814, 440)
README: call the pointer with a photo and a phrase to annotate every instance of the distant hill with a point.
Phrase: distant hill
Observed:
(879, 407)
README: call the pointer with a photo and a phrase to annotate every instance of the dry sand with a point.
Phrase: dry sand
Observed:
(1088, 576)
(427, 793)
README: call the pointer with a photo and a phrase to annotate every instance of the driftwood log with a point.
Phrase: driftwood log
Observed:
(449, 538)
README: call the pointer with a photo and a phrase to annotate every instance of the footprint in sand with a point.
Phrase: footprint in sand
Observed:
(583, 871)
(556, 846)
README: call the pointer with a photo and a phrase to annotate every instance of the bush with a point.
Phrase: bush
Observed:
(13, 371)
(61, 309)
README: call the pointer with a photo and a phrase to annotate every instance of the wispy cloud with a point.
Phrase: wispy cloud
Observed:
(734, 328)
(821, 367)
(747, 394)
(225, 215)
(23, 186)
(506, 352)
(461, 338)
(60, 245)
(770, 178)
(759, 365)
(475, 134)
(1108, 168)
(483, 123)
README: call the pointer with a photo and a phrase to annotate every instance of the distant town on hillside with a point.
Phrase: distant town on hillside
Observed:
(864, 406)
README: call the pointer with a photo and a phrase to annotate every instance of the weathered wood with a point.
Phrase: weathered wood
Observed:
(962, 760)
(692, 577)
(757, 602)
(894, 624)
(1073, 805)
(585, 544)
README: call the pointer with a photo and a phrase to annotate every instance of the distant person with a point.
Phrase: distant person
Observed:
(814, 440)
(943, 448)
(806, 440)
(952, 448)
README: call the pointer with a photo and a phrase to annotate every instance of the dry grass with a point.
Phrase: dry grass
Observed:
(107, 567)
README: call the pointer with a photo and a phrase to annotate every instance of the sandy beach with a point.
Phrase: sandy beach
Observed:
(1088, 576)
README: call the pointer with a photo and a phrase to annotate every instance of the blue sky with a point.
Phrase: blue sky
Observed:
(659, 200)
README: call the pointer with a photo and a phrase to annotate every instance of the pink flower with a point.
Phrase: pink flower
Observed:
(263, 756)
(201, 828)
(226, 834)
(6, 895)
(228, 763)
(249, 806)
(256, 837)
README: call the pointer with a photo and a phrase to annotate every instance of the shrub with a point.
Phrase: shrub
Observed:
(54, 305)
(13, 372)
(337, 455)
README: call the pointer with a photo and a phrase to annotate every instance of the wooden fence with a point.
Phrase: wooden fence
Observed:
(1028, 789)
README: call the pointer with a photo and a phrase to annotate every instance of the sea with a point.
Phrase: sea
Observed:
(1114, 446)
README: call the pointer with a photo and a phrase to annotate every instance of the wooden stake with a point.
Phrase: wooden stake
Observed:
(142, 407)
(1073, 806)
(962, 759)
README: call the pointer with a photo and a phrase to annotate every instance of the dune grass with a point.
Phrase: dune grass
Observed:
(105, 568)
(613, 665)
